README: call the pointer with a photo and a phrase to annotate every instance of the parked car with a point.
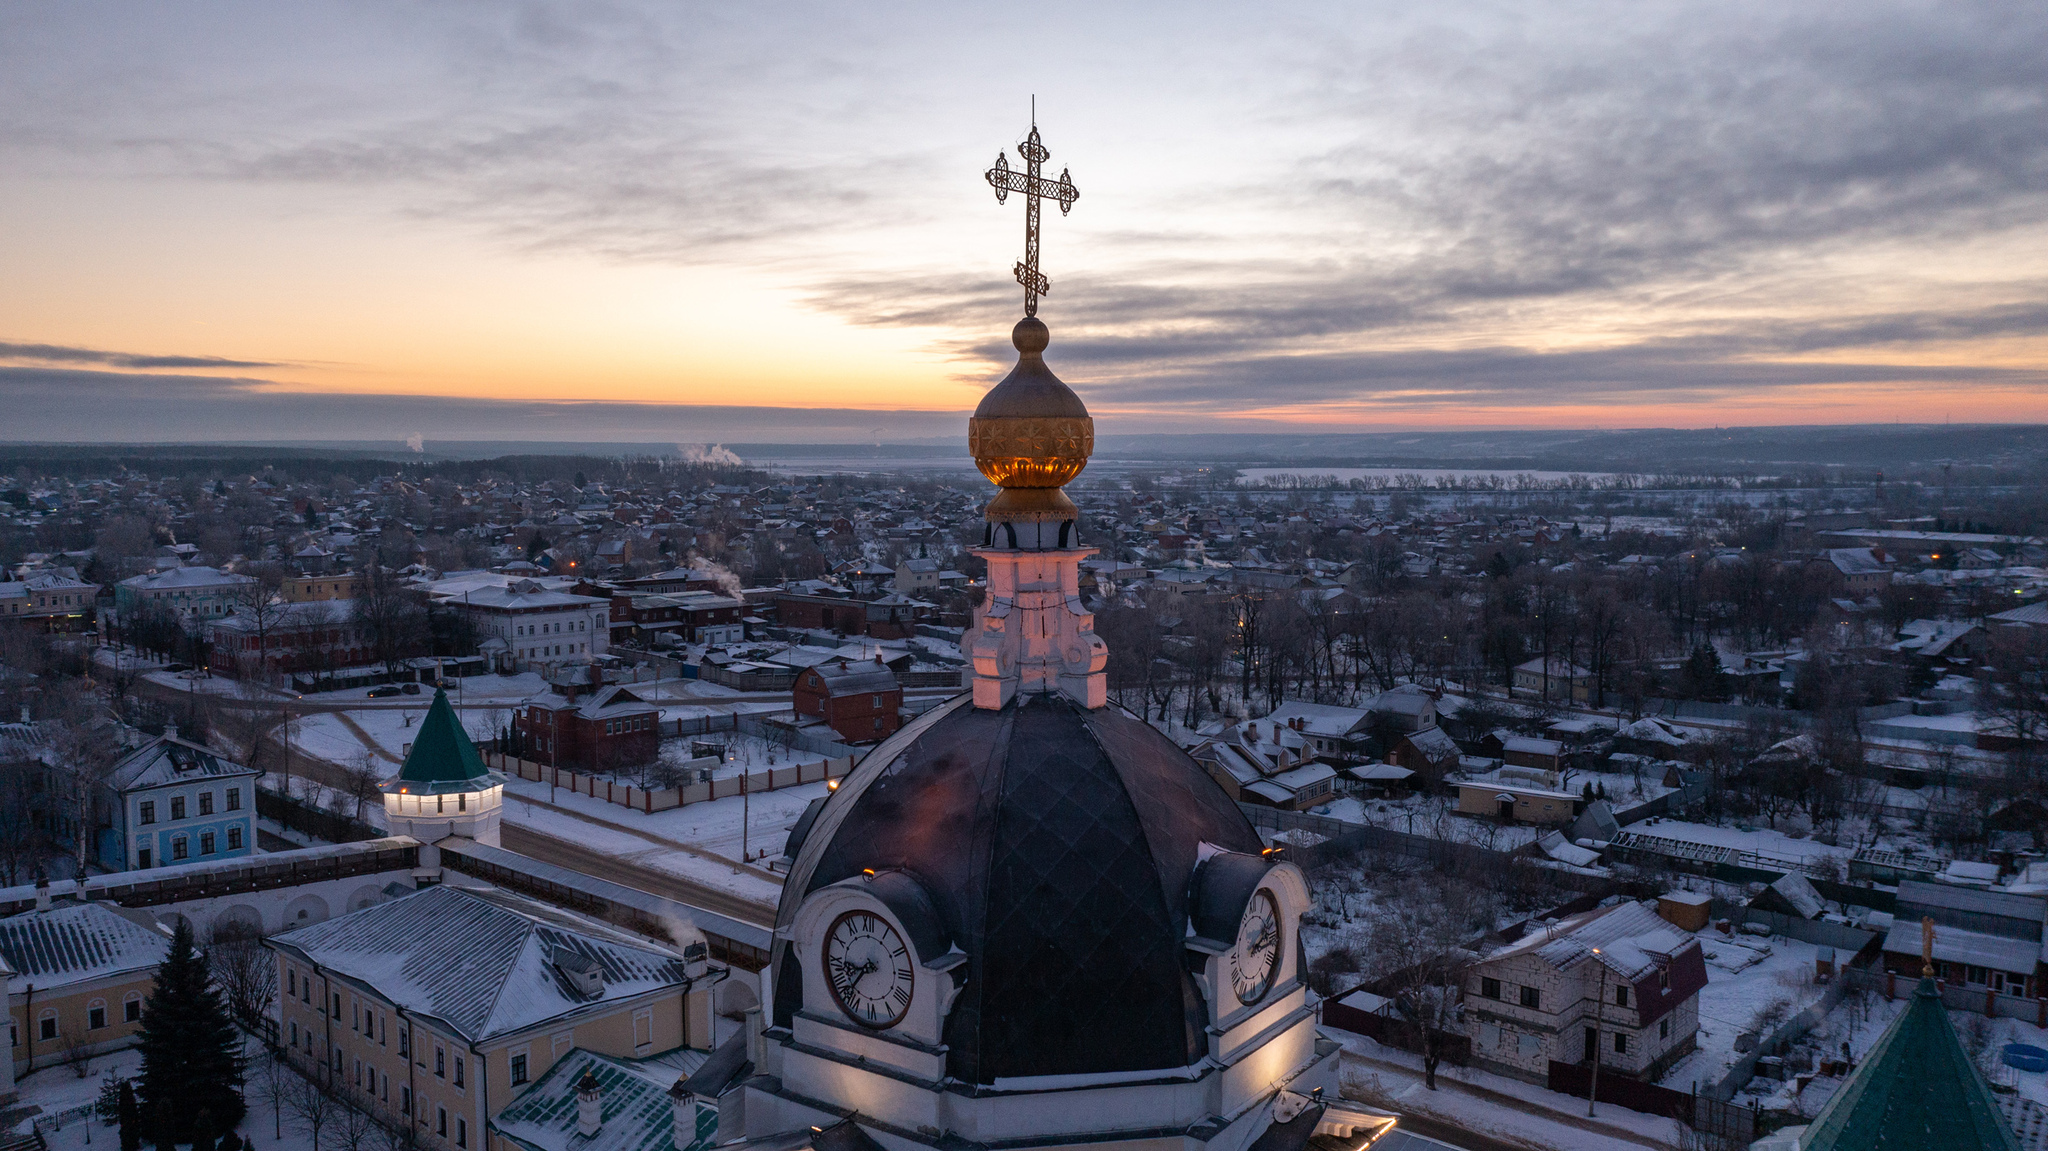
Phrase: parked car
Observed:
(386, 690)
(409, 688)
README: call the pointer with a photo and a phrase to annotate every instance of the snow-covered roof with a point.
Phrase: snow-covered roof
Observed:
(477, 964)
(1624, 937)
(1652, 731)
(1974, 948)
(76, 942)
(1322, 719)
(1553, 844)
(1304, 777)
(173, 579)
(635, 1111)
(167, 760)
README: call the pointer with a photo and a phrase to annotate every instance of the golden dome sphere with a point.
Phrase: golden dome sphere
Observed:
(1031, 435)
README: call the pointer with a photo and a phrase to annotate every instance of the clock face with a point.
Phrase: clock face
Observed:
(869, 968)
(1257, 954)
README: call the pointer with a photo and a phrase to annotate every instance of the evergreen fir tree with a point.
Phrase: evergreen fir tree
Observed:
(191, 1052)
(131, 1119)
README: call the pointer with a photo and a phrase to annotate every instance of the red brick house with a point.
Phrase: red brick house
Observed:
(822, 613)
(610, 728)
(861, 701)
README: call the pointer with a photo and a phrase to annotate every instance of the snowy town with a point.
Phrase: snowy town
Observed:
(1651, 794)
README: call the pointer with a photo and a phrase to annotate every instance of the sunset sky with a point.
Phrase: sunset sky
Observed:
(675, 221)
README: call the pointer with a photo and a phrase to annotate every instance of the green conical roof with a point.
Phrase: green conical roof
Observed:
(441, 752)
(1915, 1090)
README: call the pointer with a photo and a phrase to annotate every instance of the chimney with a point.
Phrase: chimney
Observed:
(170, 731)
(589, 1105)
(24, 713)
(683, 1112)
(42, 892)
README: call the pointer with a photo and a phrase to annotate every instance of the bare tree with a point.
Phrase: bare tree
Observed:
(1417, 939)
(274, 1081)
(362, 782)
(355, 1130)
(245, 970)
(313, 1110)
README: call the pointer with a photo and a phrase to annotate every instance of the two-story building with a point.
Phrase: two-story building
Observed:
(312, 587)
(76, 975)
(275, 639)
(605, 728)
(1617, 984)
(858, 699)
(193, 594)
(176, 801)
(55, 600)
(438, 1010)
(535, 624)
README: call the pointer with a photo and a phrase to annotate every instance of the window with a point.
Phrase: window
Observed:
(462, 802)
(359, 1073)
(877, 701)
(47, 1028)
(178, 850)
(177, 807)
(206, 843)
(519, 1069)
(1664, 978)
(441, 1121)
(234, 799)
(234, 839)
(1978, 976)
(206, 803)
(142, 858)
(405, 1100)
(145, 812)
(1532, 997)
(291, 981)
(440, 804)
(295, 1033)
(337, 1057)
(440, 1061)
(131, 1008)
(1621, 995)
(96, 1015)
(1620, 1043)
(461, 1132)
(337, 1006)
(459, 1063)
(405, 1043)
(1664, 1029)
(1489, 987)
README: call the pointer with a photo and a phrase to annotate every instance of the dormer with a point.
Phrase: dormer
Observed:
(582, 974)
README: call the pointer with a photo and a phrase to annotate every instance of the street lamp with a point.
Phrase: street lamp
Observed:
(1599, 1008)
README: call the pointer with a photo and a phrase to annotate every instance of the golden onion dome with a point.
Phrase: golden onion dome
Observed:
(1031, 435)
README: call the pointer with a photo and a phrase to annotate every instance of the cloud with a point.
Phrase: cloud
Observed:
(57, 354)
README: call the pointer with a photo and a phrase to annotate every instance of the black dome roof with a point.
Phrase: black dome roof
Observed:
(1056, 845)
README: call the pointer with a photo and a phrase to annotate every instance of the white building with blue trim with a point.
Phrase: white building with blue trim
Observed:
(176, 801)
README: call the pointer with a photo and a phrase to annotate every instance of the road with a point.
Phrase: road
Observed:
(576, 857)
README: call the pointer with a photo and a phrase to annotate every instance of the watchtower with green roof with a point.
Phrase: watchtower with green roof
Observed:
(1915, 1091)
(444, 788)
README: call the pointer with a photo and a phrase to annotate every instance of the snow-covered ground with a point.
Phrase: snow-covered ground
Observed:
(722, 830)
(1752, 984)
(1428, 815)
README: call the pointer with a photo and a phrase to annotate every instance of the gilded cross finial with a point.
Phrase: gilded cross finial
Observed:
(1034, 186)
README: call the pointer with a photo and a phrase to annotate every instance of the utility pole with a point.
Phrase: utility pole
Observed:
(745, 822)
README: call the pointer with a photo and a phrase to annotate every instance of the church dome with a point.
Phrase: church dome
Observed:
(1055, 847)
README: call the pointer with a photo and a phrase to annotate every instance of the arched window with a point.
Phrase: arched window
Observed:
(46, 1025)
(95, 1014)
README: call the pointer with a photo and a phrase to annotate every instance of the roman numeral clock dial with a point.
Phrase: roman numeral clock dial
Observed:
(1257, 954)
(869, 969)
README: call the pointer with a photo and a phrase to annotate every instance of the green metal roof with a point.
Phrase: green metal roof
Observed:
(636, 1107)
(442, 752)
(1915, 1090)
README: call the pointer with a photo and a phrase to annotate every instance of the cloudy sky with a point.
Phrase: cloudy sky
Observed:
(676, 221)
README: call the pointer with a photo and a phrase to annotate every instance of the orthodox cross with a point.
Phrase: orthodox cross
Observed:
(1034, 186)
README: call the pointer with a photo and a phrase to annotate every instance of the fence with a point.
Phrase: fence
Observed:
(1396, 1031)
(668, 798)
(295, 814)
(790, 737)
(1846, 940)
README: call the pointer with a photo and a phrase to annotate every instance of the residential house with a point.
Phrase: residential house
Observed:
(1406, 708)
(176, 801)
(1553, 679)
(76, 975)
(917, 577)
(601, 728)
(1988, 940)
(1855, 572)
(1326, 729)
(1616, 984)
(1517, 795)
(440, 1010)
(309, 588)
(1428, 752)
(858, 699)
